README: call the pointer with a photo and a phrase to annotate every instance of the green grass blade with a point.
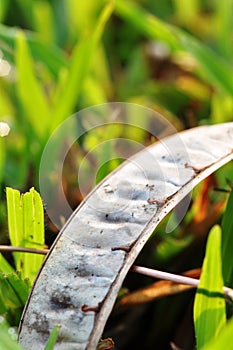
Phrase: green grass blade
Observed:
(3, 309)
(15, 217)
(80, 64)
(52, 338)
(4, 130)
(227, 242)
(7, 105)
(4, 265)
(30, 91)
(215, 69)
(51, 54)
(10, 297)
(93, 92)
(33, 218)
(26, 229)
(224, 27)
(44, 21)
(14, 292)
(186, 11)
(146, 23)
(14, 289)
(6, 341)
(26, 7)
(3, 8)
(2, 159)
(212, 67)
(209, 305)
(19, 285)
(223, 341)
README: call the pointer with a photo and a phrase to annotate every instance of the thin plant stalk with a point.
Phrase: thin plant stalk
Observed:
(228, 292)
(6, 248)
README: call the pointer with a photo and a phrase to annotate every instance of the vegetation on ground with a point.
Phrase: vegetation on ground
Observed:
(175, 57)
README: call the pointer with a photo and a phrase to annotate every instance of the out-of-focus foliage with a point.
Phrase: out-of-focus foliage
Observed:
(174, 56)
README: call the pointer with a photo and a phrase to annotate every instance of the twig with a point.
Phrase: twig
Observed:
(175, 278)
(6, 248)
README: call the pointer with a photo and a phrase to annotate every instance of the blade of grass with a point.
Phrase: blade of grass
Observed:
(26, 9)
(146, 23)
(224, 10)
(93, 92)
(10, 298)
(5, 267)
(7, 105)
(15, 290)
(186, 11)
(223, 341)
(7, 342)
(3, 8)
(216, 70)
(209, 305)
(80, 64)
(3, 309)
(26, 229)
(51, 54)
(89, 10)
(4, 130)
(15, 217)
(44, 20)
(227, 242)
(33, 219)
(52, 338)
(2, 160)
(30, 91)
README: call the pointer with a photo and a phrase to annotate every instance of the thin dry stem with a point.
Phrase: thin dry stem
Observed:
(175, 278)
(6, 248)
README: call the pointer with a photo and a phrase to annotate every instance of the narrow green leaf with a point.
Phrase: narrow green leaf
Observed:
(33, 219)
(3, 8)
(19, 285)
(4, 265)
(14, 289)
(209, 305)
(3, 308)
(2, 159)
(186, 11)
(223, 340)
(145, 22)
(80, 64)
(4, 130)
(6, 340)
(26, 7)
(30, 92)
(7, 104)
(52, 338)
(14, 292)
(215, 69)
(227, 242)
(224, 9)
(15, 218)
(10, 297)
(212, 67)
(93, 92)
(51, 54)
(26, 228)
(44, 20)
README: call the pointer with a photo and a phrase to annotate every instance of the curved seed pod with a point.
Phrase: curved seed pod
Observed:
(81, 276)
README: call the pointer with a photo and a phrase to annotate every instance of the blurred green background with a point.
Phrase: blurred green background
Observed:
(60, 56)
